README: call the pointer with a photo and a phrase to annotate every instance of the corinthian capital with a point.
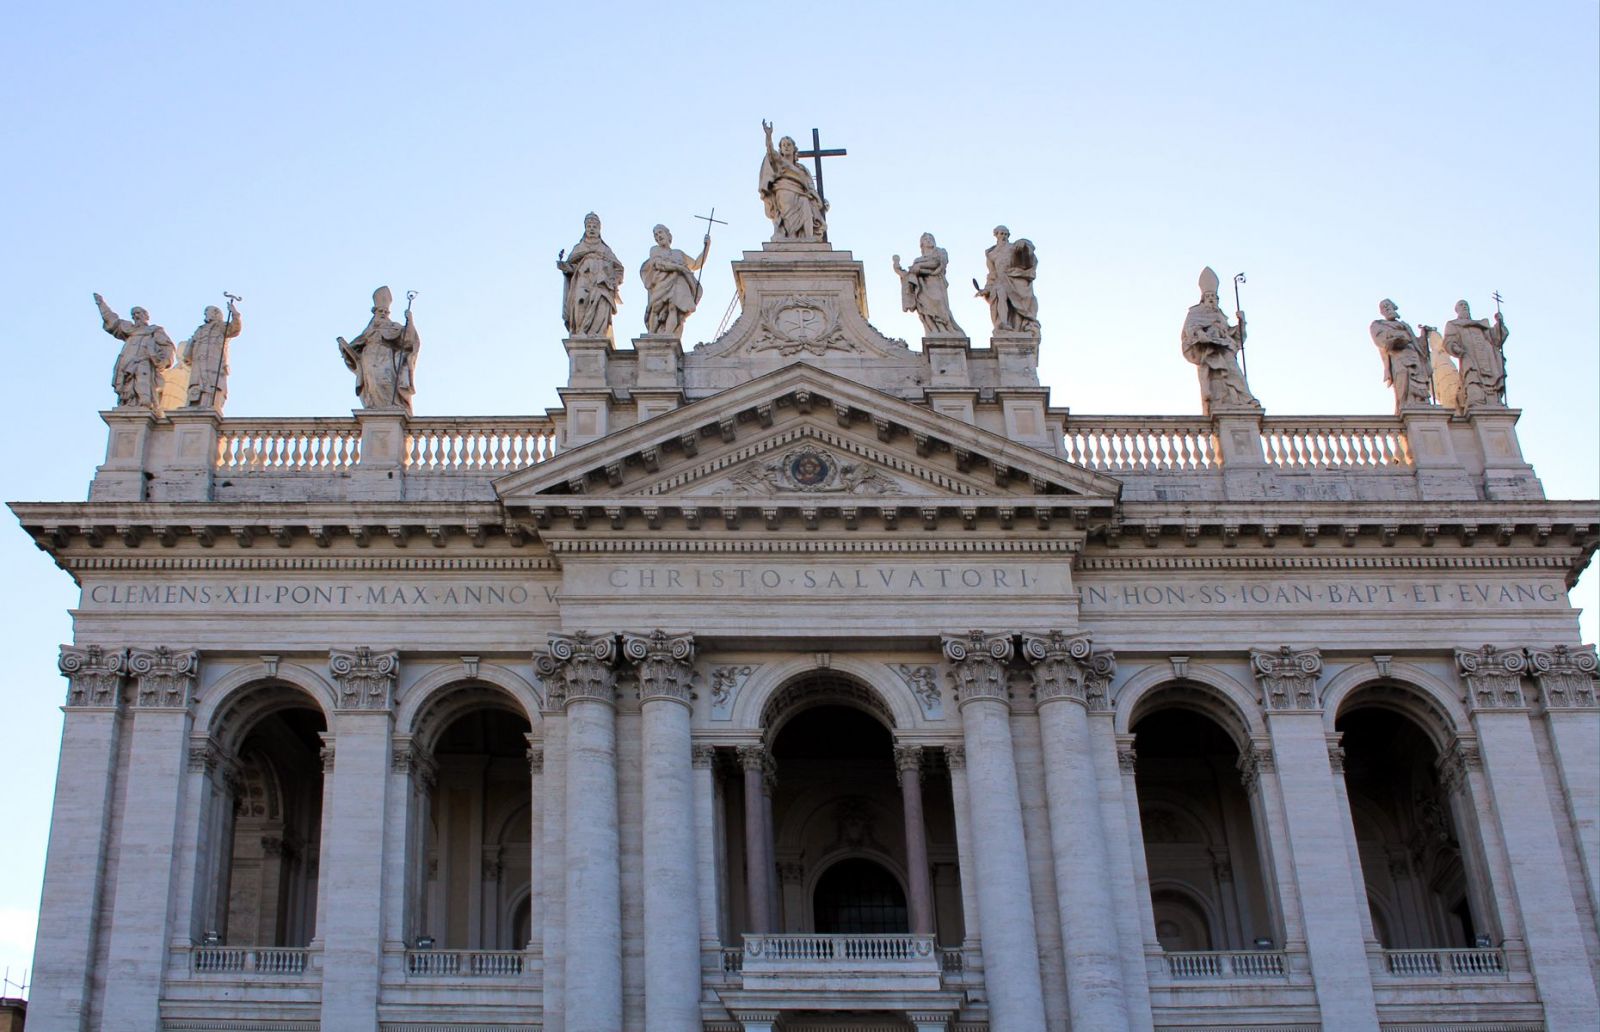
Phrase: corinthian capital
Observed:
(665, 663)
(164, 678)
(1493, 677)
(978, 664)
(1288, 677)
(365, 678)
(94, 674)
(1566, 676)
(582, 667)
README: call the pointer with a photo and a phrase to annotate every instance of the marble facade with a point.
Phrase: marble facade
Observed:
(505, 719)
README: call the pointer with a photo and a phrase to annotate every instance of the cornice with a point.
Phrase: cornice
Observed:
(1329, 559)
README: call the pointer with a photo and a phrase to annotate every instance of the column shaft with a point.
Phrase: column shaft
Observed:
(909, 764)
(593, 990)
(956, 758)
(705, 841)
(554, 916)
(1088, 926)
(671, 875)
(757, 860)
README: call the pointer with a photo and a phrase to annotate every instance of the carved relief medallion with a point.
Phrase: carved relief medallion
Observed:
(791, 325)
(812, 470)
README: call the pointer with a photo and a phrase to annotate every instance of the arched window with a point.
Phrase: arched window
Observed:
(859, 897)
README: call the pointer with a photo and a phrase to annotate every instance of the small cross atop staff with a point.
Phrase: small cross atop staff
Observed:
(709, 220)
(816, 153)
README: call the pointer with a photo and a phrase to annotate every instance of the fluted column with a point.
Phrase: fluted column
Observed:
(1062, 667)
(1005, 896)
(1521, 802)
(164, 681)
(355, 793)
(671, 887)
(908, 769)
(757, 852)
(1331, 899)
(584, 675)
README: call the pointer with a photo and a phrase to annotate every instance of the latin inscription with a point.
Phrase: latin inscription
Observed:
(757, 580)
(1269, 595)
(275, 596)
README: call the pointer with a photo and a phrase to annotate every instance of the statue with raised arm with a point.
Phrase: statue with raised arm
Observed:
(1009, 288)
(593, 283)
(1406, 364)
(674, 289)
(205, 356)
(797, 211)
(146, 355)
(1212, 344)
(384, 356)
(925, 289)
(1480, 348)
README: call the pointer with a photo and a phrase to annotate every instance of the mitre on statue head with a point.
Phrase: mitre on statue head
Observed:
(1208, 281)
(382, 298)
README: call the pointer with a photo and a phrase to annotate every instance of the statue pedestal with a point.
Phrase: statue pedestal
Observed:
(380, 476)
(947, 361)
(121, 478)
(1244, 462)
(659, 379)
(1018, 356)
(1439, 472)
(586, 400)
(587, 361)
(186, 476)
(1506, 474)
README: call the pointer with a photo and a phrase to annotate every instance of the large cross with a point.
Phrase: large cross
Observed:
(816, 153)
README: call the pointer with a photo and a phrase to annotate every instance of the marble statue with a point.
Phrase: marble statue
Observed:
(797, 211)
(1406, 365)
(1009, 288)
(1212, 344)
(593, 283)
(384, 357)
(205, 356)
(674, 289)
(925, 289)
(1446, 377)
(146, 355)
(1480, 348)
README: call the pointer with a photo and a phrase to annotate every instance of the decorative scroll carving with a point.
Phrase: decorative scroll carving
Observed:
(1252, 763)
(978, 664)
(1288, 677)
(725, 684)
(665, 664)
(581, 666)
(1063, 665)
(164, 677)
(1457, 763)
(94, 674)
(365, 678)
(1493, 677)
(907, 761)
(924, 684)
(1566, 676)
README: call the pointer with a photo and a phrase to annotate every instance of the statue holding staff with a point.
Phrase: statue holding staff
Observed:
(147, 353)
(1213, 344)
(1406, 365)
(674, 289)
(384, 356)
(925, 289)
(205, 355)
(593, 283)
(1480, 348)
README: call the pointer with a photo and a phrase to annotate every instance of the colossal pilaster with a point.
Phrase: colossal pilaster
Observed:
(1005, 897)
(1063, 665)
(671, 900)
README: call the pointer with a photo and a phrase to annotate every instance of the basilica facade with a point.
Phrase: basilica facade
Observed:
(806, 680)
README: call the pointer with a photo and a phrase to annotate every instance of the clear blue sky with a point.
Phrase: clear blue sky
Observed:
(303, 154)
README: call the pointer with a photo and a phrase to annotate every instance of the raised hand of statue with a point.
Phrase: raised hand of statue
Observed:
(766, 127)
(895, 261)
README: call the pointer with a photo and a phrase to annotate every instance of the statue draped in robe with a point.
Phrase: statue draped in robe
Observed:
(797, 211)
(925, 289)
(669, 276)
(147, 353)
(1009, 288)
(205, 355)
(1406, 364)
(384, 357)
(1479, 346)
(593, 283)
(1212, 344)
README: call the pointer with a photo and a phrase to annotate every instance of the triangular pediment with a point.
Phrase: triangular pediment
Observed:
(802, 436)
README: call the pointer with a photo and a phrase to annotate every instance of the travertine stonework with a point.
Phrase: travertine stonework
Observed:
(403, 724)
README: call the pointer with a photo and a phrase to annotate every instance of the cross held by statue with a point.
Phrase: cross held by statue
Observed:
(816, 153)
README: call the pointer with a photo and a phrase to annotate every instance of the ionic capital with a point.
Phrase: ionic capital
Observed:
(365, 678)
(1493, 677)
(978, 663)
(1288, 677)
(94, 675)
(1566, 676)
(581, 667)
(665, 663)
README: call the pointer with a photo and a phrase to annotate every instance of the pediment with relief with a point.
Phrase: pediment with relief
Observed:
(803, 436)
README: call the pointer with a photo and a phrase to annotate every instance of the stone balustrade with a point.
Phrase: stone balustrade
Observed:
(288, 446)
(802, 963)
(234, 960)
(1457, 963)
(1138, 443)
(1334, 442)
(1220, 965)
(489, 444)
(465, 963)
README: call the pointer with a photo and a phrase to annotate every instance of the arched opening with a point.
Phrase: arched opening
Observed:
(271, 832)
(857, 896)
(477, 847)
(1406, 832)
(1200, 838)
